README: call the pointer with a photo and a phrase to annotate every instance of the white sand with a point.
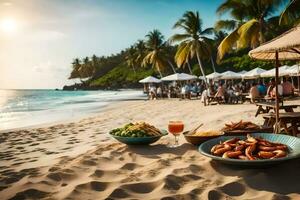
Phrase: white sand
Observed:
(79, 160)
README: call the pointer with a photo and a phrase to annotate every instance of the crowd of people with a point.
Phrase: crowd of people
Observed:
(285, 88)
(225, 91)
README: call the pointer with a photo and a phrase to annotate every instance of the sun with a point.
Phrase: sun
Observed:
(8, 25)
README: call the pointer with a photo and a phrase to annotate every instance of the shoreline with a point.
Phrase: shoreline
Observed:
(58, 122)
(59, 114)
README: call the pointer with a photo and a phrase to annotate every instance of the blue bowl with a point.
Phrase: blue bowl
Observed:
(139, 140)
(293, 144)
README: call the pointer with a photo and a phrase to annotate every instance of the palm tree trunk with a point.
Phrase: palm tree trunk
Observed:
(189, 66)
(213, 64)
(201, 69)
(160, 74)
(261, 34)
(170, 63)
(133, 69)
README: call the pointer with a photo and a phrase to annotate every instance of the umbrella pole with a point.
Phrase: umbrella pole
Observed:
(298, 81)
(276, 93)
(298, 78)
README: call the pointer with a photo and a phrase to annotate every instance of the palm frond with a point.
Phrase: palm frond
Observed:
(291, 13)
(182, 54)
(249, 34)
(225, 24)
(178, 37)
(230, 6)
(208, 31)
(227, 44)
(147, 59)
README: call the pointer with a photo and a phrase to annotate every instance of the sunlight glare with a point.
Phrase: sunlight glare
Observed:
(8, 25)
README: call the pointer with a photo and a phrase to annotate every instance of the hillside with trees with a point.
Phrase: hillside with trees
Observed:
(192, 49)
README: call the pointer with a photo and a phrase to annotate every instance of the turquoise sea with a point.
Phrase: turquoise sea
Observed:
(22, 108)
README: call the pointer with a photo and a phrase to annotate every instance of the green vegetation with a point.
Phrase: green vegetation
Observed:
(127, 132)
(121, 77)
(193, 50)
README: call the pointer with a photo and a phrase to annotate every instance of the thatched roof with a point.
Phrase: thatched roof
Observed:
(287, 45)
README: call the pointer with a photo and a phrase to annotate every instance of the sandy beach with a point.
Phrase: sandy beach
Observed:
(79, 160)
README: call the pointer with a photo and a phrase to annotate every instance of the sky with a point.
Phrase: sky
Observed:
(40, 38)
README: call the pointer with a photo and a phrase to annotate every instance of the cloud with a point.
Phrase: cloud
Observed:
(48, 35)
(42, 36)
(48, 67)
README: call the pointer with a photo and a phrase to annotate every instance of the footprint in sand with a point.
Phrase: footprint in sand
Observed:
(30, 194)
(118, 193)
(196, 168)
(280, 197)
(142, 188)
(98, 173)
(93, 185)
(89, 162)
(216, 195)
(129, 166)
(233, 189)
(173, 182)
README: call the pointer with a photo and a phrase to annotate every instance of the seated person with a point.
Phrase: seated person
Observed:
(182, 93)
(152, 92)
(187, 91)
(237, 90)
(194, 90)
(211, 91)
(159, 92)
(231, 97)
(271, 87)
(280, 91)
(254, 93)
(220, 92)
(288, 88)
(261, 88)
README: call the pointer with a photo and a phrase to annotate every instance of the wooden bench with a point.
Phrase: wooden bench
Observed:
(288, 122)
(211, 100)
(267, 106)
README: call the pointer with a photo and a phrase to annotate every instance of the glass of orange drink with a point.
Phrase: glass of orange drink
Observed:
(175, 128)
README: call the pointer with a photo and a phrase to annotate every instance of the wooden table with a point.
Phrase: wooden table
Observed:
(288, 122)
(265, 107)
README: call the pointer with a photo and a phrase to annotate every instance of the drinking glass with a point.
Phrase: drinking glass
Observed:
(175, 128)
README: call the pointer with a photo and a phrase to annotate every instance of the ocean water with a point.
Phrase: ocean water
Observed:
(22, 108)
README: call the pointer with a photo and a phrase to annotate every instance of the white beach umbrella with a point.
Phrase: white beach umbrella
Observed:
(214, 75)
(230, 75)
(150, 79)
(283, 71)
(179, 77)
(254, 73)
(242, 72)
(201, 77)
(294, 70)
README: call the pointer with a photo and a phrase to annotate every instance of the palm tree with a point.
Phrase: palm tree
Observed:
(192, 41)
(156, 54)
(248, 24)
(75, 69)
(140, 51)
(86, 69)
(170, 53)
(94, 60)
(131, 58)
(94, 63)
(291, 13)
